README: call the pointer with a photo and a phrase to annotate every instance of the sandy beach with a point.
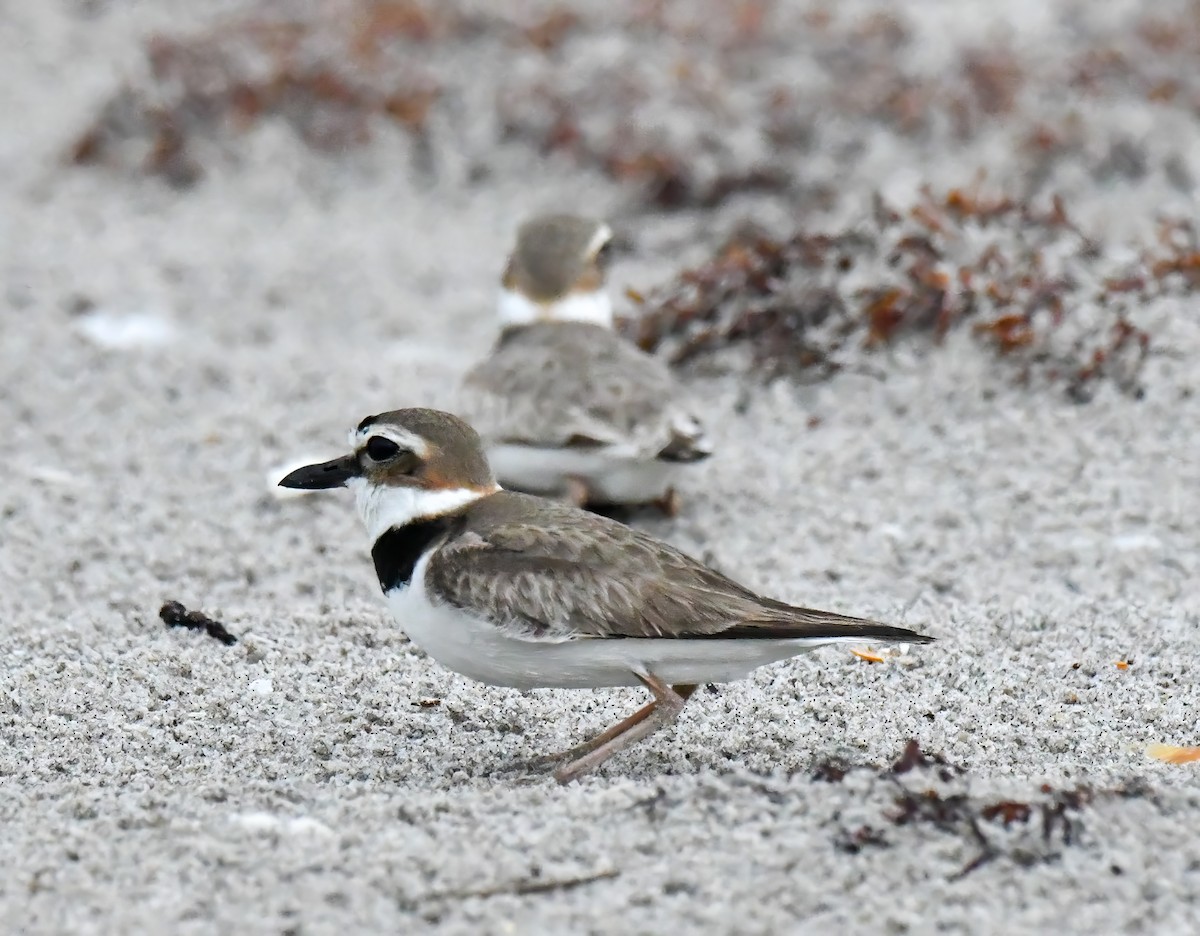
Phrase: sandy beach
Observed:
(171, 345)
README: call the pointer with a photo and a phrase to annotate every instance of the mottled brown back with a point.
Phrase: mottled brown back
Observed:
(557, 384)
(547, 570)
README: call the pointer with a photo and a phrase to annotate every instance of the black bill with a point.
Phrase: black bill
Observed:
(328, 474)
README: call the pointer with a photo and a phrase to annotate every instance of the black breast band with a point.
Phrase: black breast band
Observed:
(397, 551)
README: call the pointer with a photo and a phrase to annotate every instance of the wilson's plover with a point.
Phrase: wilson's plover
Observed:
(515, 590)
(564, 404)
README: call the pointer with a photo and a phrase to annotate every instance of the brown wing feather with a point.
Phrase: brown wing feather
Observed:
(557, 573)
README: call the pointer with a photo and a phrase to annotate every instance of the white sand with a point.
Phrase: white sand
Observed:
(157, 781)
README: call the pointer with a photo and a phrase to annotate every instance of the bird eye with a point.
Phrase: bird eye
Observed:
(380, 449)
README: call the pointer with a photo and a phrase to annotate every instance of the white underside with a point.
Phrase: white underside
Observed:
(479, 650)
(611, 478)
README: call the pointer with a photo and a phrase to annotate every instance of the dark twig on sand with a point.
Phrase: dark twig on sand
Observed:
(174, 614)
(532, 885)
(987, 851)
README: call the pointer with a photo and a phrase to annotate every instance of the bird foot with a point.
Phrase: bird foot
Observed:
(670, 503)
(577, 492)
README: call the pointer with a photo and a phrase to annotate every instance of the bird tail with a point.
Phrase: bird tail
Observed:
(688, 442)
(780, 621)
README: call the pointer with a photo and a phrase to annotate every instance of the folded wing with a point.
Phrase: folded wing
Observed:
(570, 385)
(592, 578)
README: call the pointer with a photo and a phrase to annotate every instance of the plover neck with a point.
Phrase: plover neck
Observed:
(594, 308)
(404, 523)
(397, 552)
(383, 507)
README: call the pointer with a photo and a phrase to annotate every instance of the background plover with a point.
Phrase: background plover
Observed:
(564, 404)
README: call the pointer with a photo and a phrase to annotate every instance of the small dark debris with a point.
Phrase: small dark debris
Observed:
(831, 771)
(80, 304)
(914, 757)
(929, 806)
(865, 836)
(1134, 788)
(1008, 811)
(653, 805)
(1057, 814)
(428, 703)
(174, 614)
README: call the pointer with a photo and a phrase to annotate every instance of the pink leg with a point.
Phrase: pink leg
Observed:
(577, 492)
(669, 503)
(668, 703)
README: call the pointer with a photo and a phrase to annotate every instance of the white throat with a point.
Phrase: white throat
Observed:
(594, 308)
(383, 506)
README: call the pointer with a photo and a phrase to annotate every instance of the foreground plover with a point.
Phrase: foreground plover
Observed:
(567, 407)
(515, 590)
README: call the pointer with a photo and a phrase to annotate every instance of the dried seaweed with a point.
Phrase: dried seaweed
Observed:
(174, 614)
(914, 758)
(686, 129)
(1012, 269)
(325, 74)
(932, 794)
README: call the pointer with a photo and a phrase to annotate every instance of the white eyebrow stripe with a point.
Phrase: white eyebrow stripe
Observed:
(602, 236)
(404, 439)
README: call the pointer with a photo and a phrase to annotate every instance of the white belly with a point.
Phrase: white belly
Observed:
(478, 649)
(611, 478)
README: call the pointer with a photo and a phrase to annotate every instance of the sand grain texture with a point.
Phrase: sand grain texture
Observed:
(154, 780)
